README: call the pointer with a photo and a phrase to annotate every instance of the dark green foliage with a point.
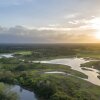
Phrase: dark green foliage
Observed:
(44, 88)
(60, 96)
(5, 94)
(85, 95)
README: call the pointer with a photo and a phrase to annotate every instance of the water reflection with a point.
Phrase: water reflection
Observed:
(21, 89)
(23, 93)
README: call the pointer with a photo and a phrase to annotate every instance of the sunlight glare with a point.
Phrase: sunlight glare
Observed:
(96, 25)
(97, 35)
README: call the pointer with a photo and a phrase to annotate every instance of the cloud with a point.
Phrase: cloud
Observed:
(70, 16)
(20, 34)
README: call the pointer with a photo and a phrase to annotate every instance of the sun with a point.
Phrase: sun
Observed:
(97, 35)
(95, 24)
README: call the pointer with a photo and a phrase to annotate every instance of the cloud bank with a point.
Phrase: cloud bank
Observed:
(21, 34)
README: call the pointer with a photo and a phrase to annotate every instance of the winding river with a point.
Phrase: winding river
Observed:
(75, 65)
(73, 62)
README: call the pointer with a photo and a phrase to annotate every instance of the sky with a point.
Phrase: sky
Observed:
(49, 21)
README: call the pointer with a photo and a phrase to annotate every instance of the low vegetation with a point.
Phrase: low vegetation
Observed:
(48, 86)
(70, 86)
(5, 94)
(92, 64)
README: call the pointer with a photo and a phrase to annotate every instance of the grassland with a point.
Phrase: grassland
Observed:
(23, 52)
(92, 64)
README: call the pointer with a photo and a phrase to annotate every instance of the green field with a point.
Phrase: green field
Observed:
(24, 52)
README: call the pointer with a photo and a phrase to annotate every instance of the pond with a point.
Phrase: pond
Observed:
(23, 94)
(6, 55)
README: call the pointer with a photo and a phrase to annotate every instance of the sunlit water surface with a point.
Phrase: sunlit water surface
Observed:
(75, 65)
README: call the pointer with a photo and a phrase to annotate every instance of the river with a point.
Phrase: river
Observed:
(73, 62)
(75, 65)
